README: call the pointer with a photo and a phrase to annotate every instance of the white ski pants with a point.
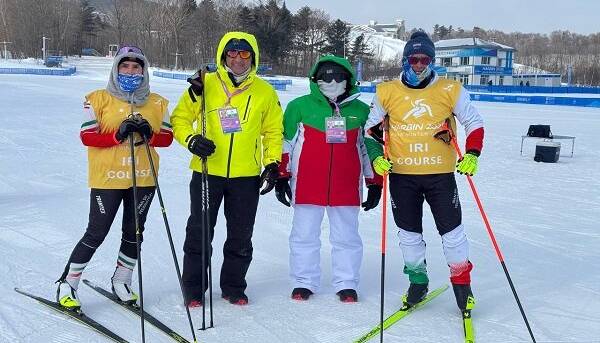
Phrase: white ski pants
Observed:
(305, 246)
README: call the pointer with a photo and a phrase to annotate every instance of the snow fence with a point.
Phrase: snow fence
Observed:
(40, 71)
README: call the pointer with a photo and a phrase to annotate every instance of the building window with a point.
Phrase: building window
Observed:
(446, 62)
(485, 60)
(500, 80)
(483, 80)
(464, 61)
(501, 62)
(464, 79)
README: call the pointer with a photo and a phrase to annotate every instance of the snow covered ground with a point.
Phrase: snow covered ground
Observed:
(544, 215)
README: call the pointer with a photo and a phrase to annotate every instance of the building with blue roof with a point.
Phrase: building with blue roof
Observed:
(474, 61)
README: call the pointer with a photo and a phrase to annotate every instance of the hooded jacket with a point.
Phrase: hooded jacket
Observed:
(104, 110)
(240, 153)
(326, 174)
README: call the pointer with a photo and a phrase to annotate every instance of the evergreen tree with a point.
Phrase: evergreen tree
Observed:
(89, 25)
(208, 31)
(360, 49)
(337, 38)
(272, 26)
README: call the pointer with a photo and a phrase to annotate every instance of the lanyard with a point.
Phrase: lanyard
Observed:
(336, 113)
(228, 93)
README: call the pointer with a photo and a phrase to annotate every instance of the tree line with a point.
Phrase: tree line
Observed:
(188, 31)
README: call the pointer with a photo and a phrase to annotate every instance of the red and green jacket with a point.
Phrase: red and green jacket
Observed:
(326, 174)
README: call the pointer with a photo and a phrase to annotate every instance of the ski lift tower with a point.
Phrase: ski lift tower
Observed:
(112, 50)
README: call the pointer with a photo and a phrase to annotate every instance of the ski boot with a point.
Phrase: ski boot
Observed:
(464, 297)
(124, 293)
(415, 294)
(66, 296)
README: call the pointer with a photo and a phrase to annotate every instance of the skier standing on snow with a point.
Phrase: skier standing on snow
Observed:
(421, 167)
(105, 131)
(243, 129)
(325, 158)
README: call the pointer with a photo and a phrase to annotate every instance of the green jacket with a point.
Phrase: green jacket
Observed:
(241, 153)
(326, 174)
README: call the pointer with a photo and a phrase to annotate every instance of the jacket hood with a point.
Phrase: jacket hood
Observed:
(314, 87)
(140, 95)
(220, 49)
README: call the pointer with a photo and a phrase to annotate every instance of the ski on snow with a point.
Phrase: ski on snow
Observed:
(401, 313)
(468, 321)
(134, 308)
(78, 315)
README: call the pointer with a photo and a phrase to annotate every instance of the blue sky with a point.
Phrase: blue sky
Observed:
(541, 16)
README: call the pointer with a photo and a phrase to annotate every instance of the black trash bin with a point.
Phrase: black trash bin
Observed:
(547, 151)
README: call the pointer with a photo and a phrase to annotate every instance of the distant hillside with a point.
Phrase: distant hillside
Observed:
(384, 48)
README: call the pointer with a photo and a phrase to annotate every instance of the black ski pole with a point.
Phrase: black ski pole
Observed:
(169, 236)
(206, 242)
(208, 246)
(205, 208)
(137, 225)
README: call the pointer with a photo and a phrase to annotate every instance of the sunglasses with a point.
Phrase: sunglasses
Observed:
(338, 77)
(127, 49)
(242, 53)
(425, 60)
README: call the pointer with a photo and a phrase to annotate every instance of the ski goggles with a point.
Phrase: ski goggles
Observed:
(244, 54)
(425, 60)
(127, 49)
(338, 77)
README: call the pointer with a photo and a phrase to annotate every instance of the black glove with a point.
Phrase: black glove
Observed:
(201, 146)
(283, 192)
(269, 175)
(145, 129)
(373, 197)
(128, 126)
(196, 83)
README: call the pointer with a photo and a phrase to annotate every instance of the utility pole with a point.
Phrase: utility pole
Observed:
(44, 38)
(5, 51)
(177, 54)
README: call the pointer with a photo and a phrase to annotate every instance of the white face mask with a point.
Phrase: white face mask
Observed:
(332, 89)
(239, 78)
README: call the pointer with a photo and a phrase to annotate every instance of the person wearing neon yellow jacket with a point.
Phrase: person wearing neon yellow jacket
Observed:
(244, 130)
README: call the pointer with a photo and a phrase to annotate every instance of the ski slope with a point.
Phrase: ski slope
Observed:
(545, 217)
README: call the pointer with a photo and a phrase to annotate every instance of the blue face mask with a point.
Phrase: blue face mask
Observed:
(411, 77)
(129, 83)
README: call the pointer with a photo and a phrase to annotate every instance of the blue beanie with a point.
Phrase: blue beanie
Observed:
(419, 43)
(238, 44)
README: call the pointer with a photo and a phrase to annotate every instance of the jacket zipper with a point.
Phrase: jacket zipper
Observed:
(330, 165)
(247, 105)
(230, 152)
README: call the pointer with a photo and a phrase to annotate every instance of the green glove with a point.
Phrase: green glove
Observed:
(382, 165)
(467, 165)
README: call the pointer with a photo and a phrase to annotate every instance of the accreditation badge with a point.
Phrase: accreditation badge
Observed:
(230, 120)
(335, 129)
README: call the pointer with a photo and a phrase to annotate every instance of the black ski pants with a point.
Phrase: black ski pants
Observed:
(104, 204)
(439, 190)
(240, 197)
